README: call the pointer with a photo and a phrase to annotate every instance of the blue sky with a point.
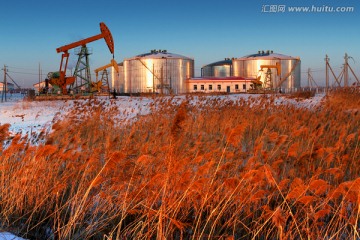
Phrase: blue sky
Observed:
(207, 31)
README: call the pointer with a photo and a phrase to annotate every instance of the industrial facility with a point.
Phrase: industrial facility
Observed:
(255, 73)
(157, 71)
(160, 71)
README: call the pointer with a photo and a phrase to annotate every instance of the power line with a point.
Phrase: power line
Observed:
(24, 73)
(31, 69)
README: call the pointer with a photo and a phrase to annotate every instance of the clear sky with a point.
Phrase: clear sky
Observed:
(207, 31)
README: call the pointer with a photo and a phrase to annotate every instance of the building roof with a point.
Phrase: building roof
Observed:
(158, 54)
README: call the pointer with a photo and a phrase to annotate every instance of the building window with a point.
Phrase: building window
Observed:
(236, 86)
(202, 87)
(244, 86)
(210, 87)
(195, 87)
(219, 87)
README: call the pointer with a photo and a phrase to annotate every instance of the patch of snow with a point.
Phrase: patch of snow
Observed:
(32, 117)
(9, 236)
(309, 103)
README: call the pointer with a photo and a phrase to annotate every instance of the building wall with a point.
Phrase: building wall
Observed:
(240, 86)
(9, 86)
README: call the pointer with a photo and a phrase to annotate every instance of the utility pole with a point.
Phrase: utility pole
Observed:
(153, 79)
(4, 90)
(39, 80)
(311, 80)
(352, 71)
(327, 59)
(162, 80)
(346, 71)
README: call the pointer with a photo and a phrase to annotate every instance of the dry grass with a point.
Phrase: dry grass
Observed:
(347, 98)
(306, 94)
(247, 169)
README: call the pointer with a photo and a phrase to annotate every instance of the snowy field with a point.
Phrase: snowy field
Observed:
(31, 117)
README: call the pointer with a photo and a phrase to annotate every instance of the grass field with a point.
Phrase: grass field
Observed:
(217, 169)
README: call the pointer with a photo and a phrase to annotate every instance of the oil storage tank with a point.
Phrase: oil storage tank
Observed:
(218, 69)
(157, 71)
(279, 71)
(117, 78)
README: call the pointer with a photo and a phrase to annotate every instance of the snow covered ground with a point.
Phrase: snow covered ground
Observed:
(29, 117)
(26, 117)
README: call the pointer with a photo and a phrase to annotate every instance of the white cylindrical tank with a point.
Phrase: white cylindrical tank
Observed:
(157, 71)
(117, 78)
(218, 69)
(250, 66)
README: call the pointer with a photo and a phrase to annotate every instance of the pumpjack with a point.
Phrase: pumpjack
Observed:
(60, 80)
(102, 85)
(267, 83)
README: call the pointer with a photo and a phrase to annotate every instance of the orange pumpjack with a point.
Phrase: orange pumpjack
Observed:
(61, 80)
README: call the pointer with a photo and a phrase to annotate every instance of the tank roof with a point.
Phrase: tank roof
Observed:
(267, 55)
(226, 61)
(158, 54)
